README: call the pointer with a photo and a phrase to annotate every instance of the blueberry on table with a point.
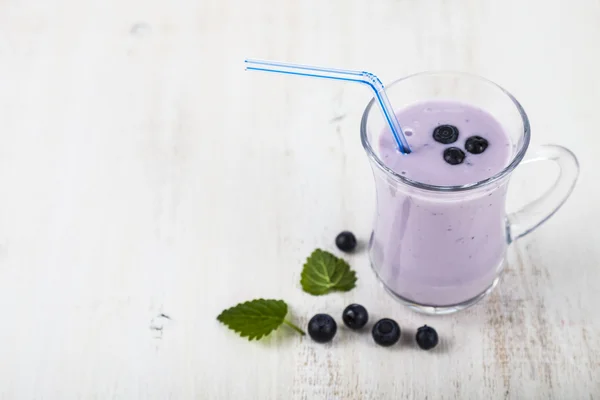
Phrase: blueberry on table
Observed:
(445, 134)
(454, 155)
(476, 144)
(322, 328)
(346, 241)
(386, 332)
(355, 316)
(427, 337)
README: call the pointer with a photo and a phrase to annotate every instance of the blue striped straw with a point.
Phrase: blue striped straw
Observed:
(342, 75)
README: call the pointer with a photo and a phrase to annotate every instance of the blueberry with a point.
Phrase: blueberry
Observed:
(454, 155)
(346, 241)
(355, 316)
(322, 328)
(427, 337)
(476, 144)
(445, 134)
(386, 332)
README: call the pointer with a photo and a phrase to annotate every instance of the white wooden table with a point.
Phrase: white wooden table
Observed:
(143, 172)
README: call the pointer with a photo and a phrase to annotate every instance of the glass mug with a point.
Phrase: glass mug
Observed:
(420, 247)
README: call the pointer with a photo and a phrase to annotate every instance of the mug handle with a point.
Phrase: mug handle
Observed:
(528, 218)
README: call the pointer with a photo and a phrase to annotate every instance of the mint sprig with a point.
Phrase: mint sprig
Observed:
(323, 273)
(257, 318)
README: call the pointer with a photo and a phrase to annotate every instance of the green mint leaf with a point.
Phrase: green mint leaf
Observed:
(323, 273)
(257, 318)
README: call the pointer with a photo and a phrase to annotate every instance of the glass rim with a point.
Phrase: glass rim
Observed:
(517, 158)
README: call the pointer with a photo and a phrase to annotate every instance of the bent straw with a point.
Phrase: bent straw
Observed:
(343, 75)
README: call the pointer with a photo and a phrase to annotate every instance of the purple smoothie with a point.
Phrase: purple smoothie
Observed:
(435, 248)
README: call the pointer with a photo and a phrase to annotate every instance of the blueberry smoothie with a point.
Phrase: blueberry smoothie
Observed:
(441, 248)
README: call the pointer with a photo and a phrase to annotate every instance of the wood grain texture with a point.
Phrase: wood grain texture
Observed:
(143, 172)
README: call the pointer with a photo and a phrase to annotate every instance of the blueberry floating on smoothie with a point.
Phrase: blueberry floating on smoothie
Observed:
(386, 332)
(454, 155)
(476, 145)
(322, 328)
(445, 134)
(346, 241)
(427, 337)
(355, 316)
